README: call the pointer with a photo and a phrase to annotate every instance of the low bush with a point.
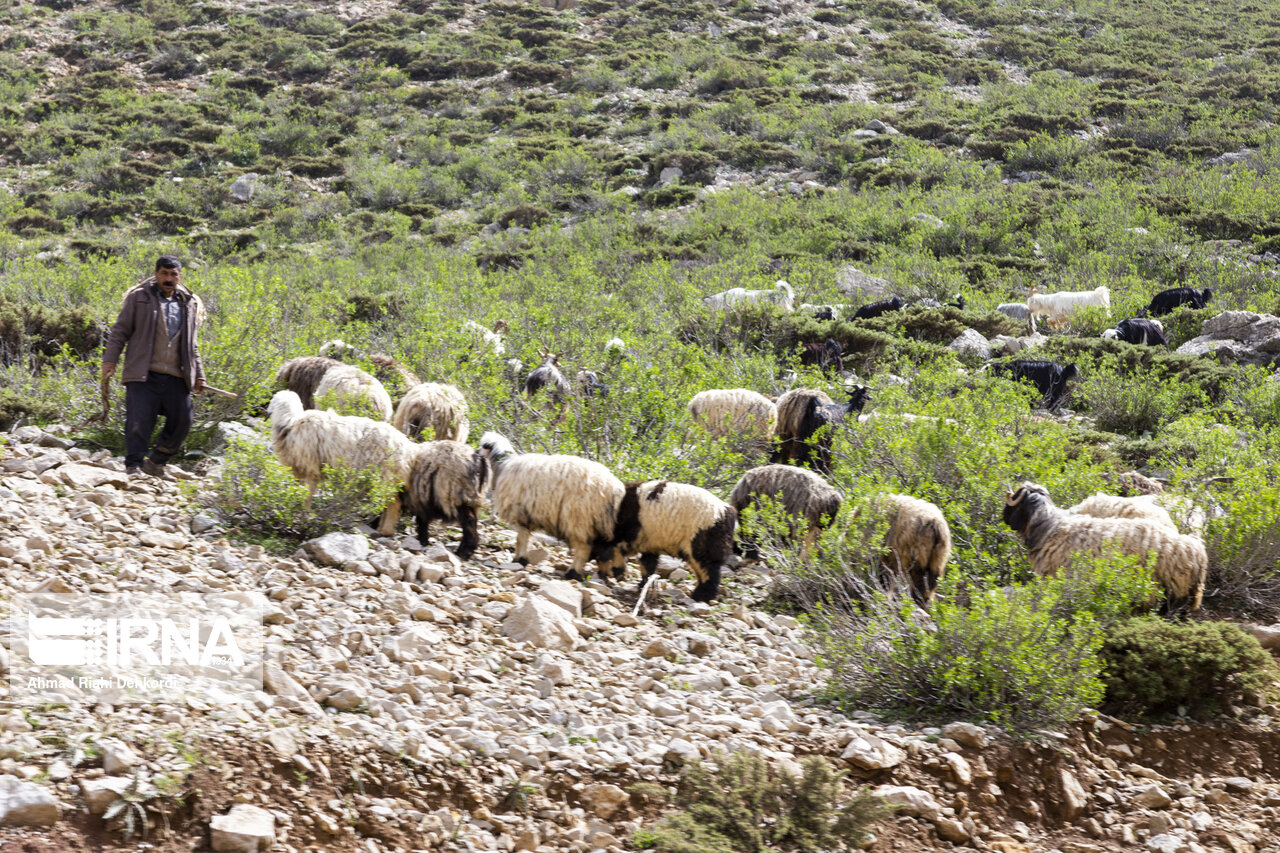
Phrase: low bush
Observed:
(738, 803)
(1156, 668)
(1026, 656)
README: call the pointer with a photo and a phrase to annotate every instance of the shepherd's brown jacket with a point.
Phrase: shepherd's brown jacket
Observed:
(136, 326)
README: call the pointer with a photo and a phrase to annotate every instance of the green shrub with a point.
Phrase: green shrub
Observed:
(1025, 656)
(738, 803)
(1244, 549)
(263, 497)
(1136, 403)
(1156, 668)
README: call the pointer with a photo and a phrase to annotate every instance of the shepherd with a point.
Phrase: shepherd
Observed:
(162, 366)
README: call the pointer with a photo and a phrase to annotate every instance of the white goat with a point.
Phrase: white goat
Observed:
(781, 295)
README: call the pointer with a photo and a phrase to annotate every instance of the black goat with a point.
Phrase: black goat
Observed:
(1050, 379)
(1138, 331)
(547, 374)
(794, 436)
(1166, 300)
(875, 309)
(826, 355)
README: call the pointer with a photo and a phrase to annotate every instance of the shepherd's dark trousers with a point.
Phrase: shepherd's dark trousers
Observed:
(144, 402)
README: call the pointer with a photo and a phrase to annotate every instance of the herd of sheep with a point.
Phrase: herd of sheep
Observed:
(605, 520)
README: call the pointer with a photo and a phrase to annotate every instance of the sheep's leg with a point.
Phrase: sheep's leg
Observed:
(824, 456)
(470, 532)
(649, 563)
(424, 519)
(390, 517)
(708, 580)
(581, 554)
(522, 545)
(923, 583)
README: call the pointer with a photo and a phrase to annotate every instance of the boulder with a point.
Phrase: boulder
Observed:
(244, 829)
(872, 753)
(605, 800)
(852, 281)
(1241, 337)
(337, 549)
(910, 801)
(26, 804)
(971, 344)
(79, 475)
(537, 621)
(966, 734)
(563, 594)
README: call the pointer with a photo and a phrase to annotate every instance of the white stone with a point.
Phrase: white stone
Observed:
(336, 549)
(911, 801)
(26, 804)
(243, 187)
(162, 539)
(966, 734)
(537, 621)
(563, 594)
(79, 475)
(1073, 800)
(1152, 797)
(283, 741)
(100, 793)
(1166, 843)
(971, 343)
(872, 753)
(605, 800)
(244, 829)
(117, 756)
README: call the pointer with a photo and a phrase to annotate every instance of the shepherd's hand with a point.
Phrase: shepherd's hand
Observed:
(200, 385)
(108, 370)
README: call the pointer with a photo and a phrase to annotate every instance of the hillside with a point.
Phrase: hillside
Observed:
(385, 172)
(400, 715)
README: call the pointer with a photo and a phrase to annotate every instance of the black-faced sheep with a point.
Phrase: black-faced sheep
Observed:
(1166, 301)
(802, 412)
(828, 355)
(874, 309)
(1139, 332)
(350, 387)
(1050, 379)
(917, 543)
(658, 517)
(1054, 535)
(571, 498)
(305, 440)
(802, 494)
(436, 407)
(302, 376)
(735, 412)
(782, 295)
(447, 480)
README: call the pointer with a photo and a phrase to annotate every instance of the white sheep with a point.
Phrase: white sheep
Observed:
(727, 412)
(917, 542)
(439, 408)
(305, 440)
(1111, 506)
(487, 340)
(1059, 307)
(1054, 535)
(447, 480)
(801, 493)
(571, 498)
(781, 295)
(388, 370)
(658, 517)
(349, 386)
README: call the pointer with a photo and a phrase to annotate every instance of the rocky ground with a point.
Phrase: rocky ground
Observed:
(416, 702)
